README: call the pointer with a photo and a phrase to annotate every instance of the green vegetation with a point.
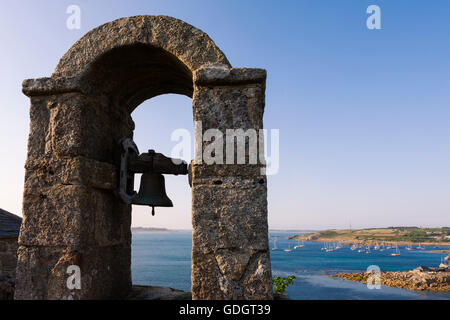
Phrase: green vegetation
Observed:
(414, 234)
(328, 234)
(280, 284)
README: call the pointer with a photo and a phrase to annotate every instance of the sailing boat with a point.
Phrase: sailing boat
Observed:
(361, 248)
(299, 245)
(275, 244)
(409, 247)
(420, 247)
(329, 247)
(288, 249)
(397, 252)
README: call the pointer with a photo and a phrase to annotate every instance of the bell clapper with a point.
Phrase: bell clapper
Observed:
(153, 211)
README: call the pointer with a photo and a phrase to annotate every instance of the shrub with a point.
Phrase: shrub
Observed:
(280, 284)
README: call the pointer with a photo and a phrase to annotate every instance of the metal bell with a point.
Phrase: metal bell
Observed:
(152, 192)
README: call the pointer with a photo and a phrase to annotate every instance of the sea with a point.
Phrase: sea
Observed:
(164, 259)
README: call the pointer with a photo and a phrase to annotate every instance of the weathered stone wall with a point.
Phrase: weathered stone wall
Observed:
(8, 262)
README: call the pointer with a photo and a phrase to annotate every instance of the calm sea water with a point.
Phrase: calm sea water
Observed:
(163, 259)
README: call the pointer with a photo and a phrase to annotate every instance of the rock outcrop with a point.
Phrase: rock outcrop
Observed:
(421, 278)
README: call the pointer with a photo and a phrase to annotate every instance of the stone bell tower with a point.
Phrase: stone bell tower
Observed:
(72, 214)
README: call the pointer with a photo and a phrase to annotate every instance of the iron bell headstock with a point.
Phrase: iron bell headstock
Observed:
(152, 191)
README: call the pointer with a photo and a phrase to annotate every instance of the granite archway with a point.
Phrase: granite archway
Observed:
(72, 215)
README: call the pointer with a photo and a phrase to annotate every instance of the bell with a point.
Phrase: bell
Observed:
(152, 192)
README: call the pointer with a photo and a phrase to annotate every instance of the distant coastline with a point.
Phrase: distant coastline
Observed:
(148, 229)
(391, 235)
(293, 230)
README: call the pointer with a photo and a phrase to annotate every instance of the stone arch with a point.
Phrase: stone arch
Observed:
(72, 214)
(190, 45)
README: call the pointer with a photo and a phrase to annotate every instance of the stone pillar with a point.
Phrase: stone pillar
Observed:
(230, 253)
(71, 214)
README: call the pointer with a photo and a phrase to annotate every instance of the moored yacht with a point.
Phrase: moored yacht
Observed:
(396, 252)
(299, 245)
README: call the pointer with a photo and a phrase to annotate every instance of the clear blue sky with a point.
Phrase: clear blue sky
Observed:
(363, 114)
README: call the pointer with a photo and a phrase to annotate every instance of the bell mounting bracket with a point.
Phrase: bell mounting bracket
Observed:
(131, 162)
(126, 178)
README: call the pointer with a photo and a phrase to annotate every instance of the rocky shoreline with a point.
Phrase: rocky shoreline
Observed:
(421, 278)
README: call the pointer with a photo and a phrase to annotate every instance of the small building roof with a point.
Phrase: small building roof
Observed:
(9, 224)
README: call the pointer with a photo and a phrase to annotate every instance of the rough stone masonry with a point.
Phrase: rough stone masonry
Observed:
(72, 214)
